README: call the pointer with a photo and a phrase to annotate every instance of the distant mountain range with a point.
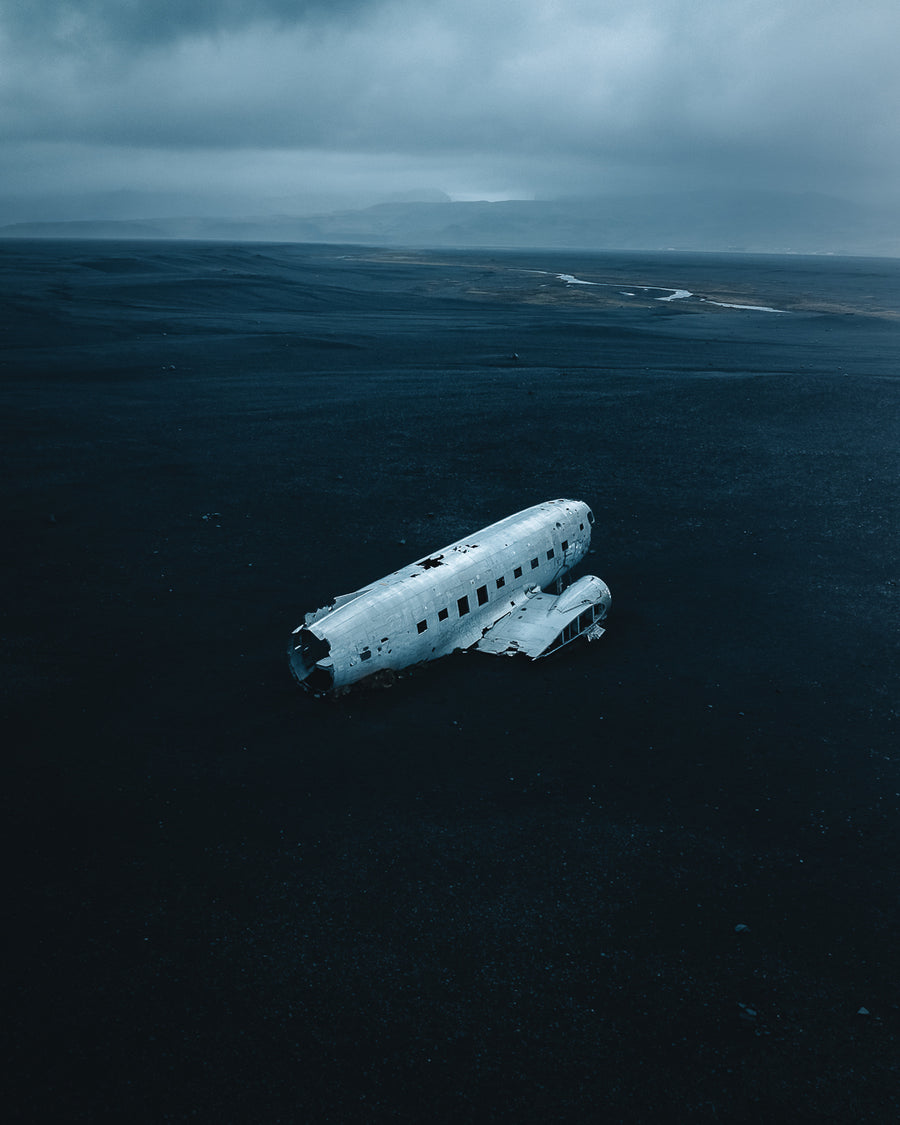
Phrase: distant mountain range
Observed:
(752, 222)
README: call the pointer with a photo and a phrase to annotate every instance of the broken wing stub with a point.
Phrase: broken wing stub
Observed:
(544, 623)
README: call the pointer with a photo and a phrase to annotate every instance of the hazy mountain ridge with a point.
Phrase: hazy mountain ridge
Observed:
(752, 222)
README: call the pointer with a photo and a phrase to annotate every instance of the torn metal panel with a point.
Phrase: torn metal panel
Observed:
(490, 592)
(544, 623)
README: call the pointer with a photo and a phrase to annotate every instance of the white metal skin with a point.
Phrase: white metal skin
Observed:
(485, 591)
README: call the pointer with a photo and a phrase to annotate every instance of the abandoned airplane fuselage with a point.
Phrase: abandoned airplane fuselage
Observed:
(487, 592)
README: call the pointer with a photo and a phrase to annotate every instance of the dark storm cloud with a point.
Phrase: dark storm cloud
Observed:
(512, 97)
(138, 23)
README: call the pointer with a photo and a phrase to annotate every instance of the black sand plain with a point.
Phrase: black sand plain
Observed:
(650, 879)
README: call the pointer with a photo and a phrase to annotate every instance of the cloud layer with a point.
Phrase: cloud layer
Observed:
(280, 99)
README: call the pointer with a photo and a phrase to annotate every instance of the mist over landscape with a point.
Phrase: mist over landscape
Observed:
(768, 127)
(751, 222)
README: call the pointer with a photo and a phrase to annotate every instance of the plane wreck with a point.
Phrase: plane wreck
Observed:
(502, 590)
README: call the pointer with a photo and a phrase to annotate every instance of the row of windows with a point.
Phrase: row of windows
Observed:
(462, 604)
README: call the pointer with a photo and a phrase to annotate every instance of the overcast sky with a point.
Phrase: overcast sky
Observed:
(254, 105)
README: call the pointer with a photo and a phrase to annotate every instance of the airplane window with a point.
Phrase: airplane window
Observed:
(534, 564)
(565, 544)
(442, 615)
(422, 626)
(501, 582)
(550, 554)
(482, 595)
(517, 573)
(463, 604)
